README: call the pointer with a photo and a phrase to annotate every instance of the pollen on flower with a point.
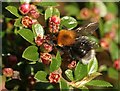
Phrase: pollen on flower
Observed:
(54, 77)
(46, 58)
(39, 40)
(27, 21)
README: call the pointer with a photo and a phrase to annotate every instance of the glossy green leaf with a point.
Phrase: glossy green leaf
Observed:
(99, 83)
(46, 4)
(114, 50)
(80, 71)
(18, 22)
(27, 35)
(69, 74)
(49, 12)
(68, 22)
(38, 30)
(101, 6)
(41, 76)
(92, 66)
(112, 73)
(58, 56)
(31, 53)
(56, 62)
(13, 10)
(63, 85)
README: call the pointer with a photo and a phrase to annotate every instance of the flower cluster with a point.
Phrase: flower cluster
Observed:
(31, 14)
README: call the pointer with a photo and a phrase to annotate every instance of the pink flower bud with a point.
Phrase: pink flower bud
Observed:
(96, 11)
(8, 72)
(54, 77)
(72, 65)
(46, 47)
(109, 16)
(27, 21)
(117, 64)
(39, 40)
(45, 58)
(54, 23)
(85, 13)
(34, 13)
(104, 43)
(24, 8)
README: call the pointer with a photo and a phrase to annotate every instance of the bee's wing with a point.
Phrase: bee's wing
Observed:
(86, 39)
(86, 29)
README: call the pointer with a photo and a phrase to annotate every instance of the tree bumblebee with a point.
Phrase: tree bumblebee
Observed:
(77, 43)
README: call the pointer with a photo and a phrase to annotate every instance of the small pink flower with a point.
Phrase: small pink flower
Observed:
(54, 77)
(27, 21)
(96, 11)
(54, 23)
(39, 40)
(46, 47)
(109, 16)
(45, 58)
(104, 43)
(85, 13)
(117, 64)
(24, 8)
(34, 13)
(72, 65)
(8, 72)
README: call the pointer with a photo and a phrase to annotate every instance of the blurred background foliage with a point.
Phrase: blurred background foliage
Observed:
(108, 35)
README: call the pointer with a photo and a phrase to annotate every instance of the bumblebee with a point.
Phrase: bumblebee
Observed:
(77, 43)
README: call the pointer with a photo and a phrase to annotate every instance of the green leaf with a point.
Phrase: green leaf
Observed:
(38, 30)
(112, 73)
(13, 10)
(41, 76)
(84, 88)
(63, 85)
(18, 22)
(49, 12)
(114, 50)
(27, 35)
(92, 66)
(68, 22)
(69, 74)
(101, 6)
(112, 8)
(58, 57)
(72, 10)
(108, 25)
(80, 71)
(101, 28)
(31, 53)
(56, 62)
(99, 83)
(46, 4)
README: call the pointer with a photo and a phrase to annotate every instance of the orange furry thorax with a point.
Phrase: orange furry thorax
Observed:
(66, 38)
